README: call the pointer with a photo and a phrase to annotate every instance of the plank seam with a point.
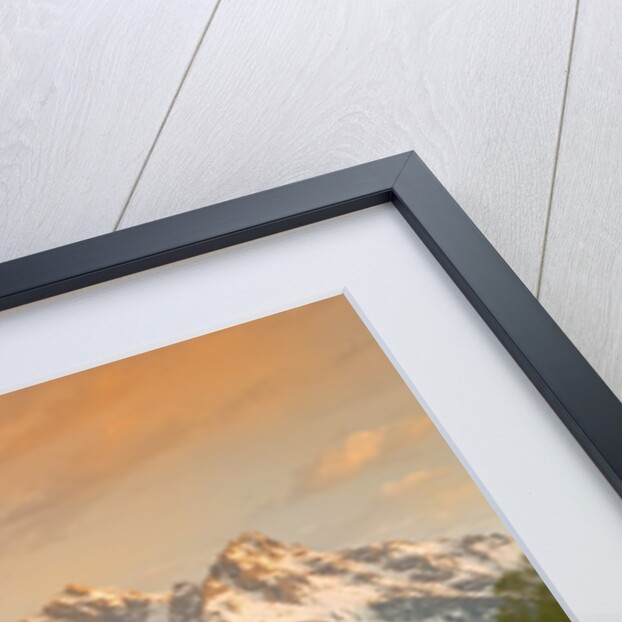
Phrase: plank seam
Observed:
(547, 217)
(167, 115)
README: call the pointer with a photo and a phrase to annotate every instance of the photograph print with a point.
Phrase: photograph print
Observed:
(278, 470)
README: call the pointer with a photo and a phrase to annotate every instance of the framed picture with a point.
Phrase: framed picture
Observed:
(328, 401)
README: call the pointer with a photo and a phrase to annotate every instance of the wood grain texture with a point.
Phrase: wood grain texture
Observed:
(84, 87)
(582, 270)
(282, 91)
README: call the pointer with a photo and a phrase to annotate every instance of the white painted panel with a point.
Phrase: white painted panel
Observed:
(285, 90)
(582, 276)
(84, 87)
(544, 486)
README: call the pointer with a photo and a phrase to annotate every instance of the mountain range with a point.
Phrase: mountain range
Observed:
(258, 579)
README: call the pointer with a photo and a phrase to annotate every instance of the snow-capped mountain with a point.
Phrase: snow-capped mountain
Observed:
(261, 580)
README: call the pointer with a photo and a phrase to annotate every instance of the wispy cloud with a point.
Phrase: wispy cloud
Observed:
(359, 450)
(405, 484)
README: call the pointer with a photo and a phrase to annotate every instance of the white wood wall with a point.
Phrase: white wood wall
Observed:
(116, 113)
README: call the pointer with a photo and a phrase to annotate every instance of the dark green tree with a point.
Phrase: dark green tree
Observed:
(525, 598)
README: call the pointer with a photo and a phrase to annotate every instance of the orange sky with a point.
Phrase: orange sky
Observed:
(136, 473)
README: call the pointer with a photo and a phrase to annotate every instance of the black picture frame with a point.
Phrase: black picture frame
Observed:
(572, 388)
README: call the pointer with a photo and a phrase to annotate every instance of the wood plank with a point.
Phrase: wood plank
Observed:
(84, 87)
(282, 91)
(582, 275)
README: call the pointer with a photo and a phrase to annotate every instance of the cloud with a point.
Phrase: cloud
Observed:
(359, 450)
(339, 463)
(405, 484)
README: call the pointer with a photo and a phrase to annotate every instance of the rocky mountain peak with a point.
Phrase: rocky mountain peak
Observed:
(257, 578)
